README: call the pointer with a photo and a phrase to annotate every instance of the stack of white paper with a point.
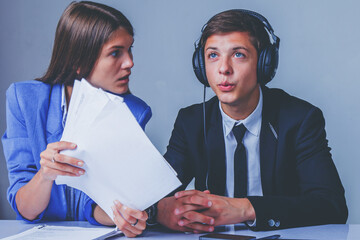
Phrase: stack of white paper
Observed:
(120, 161)
(45, 232)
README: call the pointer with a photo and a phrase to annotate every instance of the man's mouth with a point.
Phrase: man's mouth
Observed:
(226, 86)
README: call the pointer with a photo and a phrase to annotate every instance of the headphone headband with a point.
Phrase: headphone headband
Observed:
(265, 22)
(268, 57)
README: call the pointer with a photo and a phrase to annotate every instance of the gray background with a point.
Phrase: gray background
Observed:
(319, 62)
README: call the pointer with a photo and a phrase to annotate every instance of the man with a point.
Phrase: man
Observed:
(263, 157)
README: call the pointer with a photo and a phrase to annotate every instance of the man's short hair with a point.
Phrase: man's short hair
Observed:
(237, 21)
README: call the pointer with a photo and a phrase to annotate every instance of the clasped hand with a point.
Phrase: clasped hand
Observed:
(196, 211)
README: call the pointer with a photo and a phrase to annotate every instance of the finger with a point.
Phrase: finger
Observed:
(124, 211)
(198, 200)
(186, 193)
(198, 227)
(121, 227)
(65, 168)
(48, 153)
(124, 225)
(52, 155)
(196, 217)
(206, 191)
(140, 225)
(130, 213)
(62, 145)
(61, 158)
(53, 173)
(185, 222)
(128, 233)
(188, 207)
(124, 230)
(195, 227)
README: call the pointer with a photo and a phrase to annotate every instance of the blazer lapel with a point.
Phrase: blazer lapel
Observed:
(47, 126)
(268, 143)
(54, 126)
(216, 152)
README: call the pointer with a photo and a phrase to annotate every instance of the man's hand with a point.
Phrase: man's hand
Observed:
(224, 210)
(172, 212)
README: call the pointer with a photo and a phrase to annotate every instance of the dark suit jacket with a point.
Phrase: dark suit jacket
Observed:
(300, 182)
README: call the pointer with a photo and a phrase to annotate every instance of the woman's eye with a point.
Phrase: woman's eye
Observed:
(239, 55)
(212, 55)
(130, 49)
(115, 53)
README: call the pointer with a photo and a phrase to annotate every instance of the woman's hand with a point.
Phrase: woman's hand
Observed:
(54, 164)
(130, 221)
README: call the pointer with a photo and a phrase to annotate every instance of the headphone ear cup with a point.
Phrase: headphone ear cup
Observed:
(260, 68)
(199, 66)
(267, 64)
(274, 61)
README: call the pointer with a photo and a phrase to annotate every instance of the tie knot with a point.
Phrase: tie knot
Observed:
(239, 132)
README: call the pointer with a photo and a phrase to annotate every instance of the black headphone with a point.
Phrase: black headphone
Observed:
(268, 57)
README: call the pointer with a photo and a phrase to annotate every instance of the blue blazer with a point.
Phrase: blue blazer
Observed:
(34, 119)
(299, 180)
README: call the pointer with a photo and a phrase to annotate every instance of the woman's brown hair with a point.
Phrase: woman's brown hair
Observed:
(82, 30)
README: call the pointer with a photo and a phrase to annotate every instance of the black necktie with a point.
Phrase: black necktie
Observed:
(240, 163)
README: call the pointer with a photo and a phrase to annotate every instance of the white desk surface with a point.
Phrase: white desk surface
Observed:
(324, 232)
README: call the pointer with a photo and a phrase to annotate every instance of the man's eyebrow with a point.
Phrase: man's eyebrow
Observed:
(211, 48)
(240, 47)
(235, 48)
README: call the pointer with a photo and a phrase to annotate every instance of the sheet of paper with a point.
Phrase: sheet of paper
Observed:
(45, 232)
(120, 161)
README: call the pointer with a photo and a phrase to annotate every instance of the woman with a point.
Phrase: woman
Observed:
(93, 41)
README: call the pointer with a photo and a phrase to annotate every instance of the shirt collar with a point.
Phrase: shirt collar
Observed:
(252, 122)
(63, 105)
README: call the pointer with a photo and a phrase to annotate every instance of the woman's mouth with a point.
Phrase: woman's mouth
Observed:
(124, 79)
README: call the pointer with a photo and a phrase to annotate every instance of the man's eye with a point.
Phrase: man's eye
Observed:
(212, 55)
(239, 55)
(130, 49)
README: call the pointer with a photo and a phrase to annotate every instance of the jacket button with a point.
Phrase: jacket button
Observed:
(277, 224)
(271, 222)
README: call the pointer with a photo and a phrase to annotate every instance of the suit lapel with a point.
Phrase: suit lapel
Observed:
(216, 152)
(268, 143)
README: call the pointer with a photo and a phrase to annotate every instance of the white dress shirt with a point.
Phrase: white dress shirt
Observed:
(63, 104)
(251, 143)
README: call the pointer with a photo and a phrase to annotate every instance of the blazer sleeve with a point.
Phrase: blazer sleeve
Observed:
(321, 195)
(17, 150)
(140, 110)
(177, 153)
(144, 117)
(88, 208)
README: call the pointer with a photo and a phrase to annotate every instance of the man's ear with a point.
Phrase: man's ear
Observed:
(78, 71)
